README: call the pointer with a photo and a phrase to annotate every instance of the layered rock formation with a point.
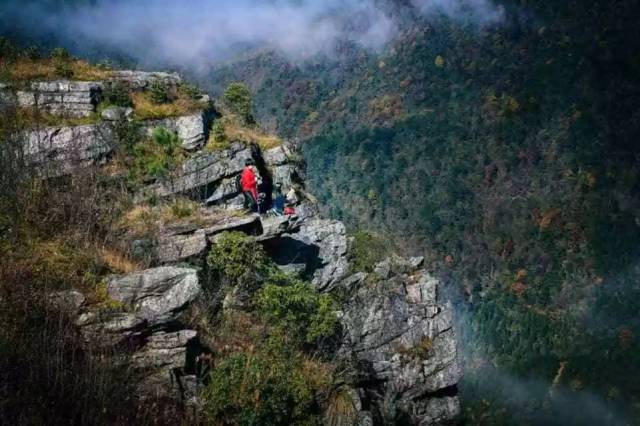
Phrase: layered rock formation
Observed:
(60, 150)
(67, 98)
(404, 345)
(397, 338)
(147, 323)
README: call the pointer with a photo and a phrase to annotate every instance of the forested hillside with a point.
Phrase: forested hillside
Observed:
(505, 150)
(509, 154)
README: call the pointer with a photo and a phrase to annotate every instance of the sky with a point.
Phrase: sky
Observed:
(199, 33)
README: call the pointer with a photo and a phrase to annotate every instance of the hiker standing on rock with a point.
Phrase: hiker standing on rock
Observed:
(249, 184)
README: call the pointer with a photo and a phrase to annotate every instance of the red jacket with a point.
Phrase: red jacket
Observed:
(249, 182)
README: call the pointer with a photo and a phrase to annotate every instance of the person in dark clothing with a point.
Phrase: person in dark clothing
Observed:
(279, 200)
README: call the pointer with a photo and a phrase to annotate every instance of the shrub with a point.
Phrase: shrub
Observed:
(367, 249)
(32, 53)
(298, 309)
(62, 62)
(218, 132)
(128, 134)
(237, 258)
(117, 94)
(159, 156)
(271, 386)
(159, 92)
(7, 49)
(60, 54)
(179, 209)
(191, 91)
(237, 97)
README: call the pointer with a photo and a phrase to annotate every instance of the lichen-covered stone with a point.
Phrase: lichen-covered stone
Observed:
(204, 169)
(55, 151)
(407, 341)
(191, 129)
(157, 294)
(329, 236)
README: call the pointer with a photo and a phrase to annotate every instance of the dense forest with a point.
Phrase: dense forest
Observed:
(508, 153)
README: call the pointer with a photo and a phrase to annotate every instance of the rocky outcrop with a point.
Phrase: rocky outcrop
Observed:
(314, 248)
(202, 174)
(140, 80)
(330, 237)
(404, 346)
(193, 242)
(59, 150)
(117, 114)
(278, 161)
(61, 97)
(156, 295)
(163, 363)
(191, 129)
(145, 319)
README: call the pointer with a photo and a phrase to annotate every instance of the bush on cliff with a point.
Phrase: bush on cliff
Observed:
(366, 249)
(158, 156)
(237, 258)
(271, 384)
(237, 98)
(160, 92)
(297, 309)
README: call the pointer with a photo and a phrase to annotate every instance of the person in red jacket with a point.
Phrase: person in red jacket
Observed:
(249, 183)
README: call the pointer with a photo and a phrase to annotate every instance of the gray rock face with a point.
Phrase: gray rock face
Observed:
(203, 170)
(173, 248)
(329, 236)
(157, 295)
(163, 359)
(191, 129)
(407, 342)
(61, 97)
(117, 114)
(140, 80)
(273, 227)
(275, 156)
(150, 329)
(109, 328)
(284, 175)
(60, 150)
(193, 242)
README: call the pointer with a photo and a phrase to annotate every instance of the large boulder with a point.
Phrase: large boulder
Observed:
(404, 342)
(163, 362)
(60, 150)
(191, 129)
(157, 295)
(330, 238)
(203, 173)
(316, 248)
(117, 113)
(193, 242)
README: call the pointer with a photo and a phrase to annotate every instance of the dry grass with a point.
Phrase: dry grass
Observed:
(24, 69)
(146, 109)
(141, 220)
(253, 134)
(117, 262)
(33, 118)
(341, 409)
(236, 131)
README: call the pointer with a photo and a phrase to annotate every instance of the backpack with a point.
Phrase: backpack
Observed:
(238, 181)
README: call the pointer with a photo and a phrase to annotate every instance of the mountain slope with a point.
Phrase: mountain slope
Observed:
(509, 154)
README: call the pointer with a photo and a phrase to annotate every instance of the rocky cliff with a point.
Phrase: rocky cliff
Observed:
(396, 338)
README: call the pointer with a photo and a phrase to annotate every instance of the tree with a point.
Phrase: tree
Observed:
(237, 97)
